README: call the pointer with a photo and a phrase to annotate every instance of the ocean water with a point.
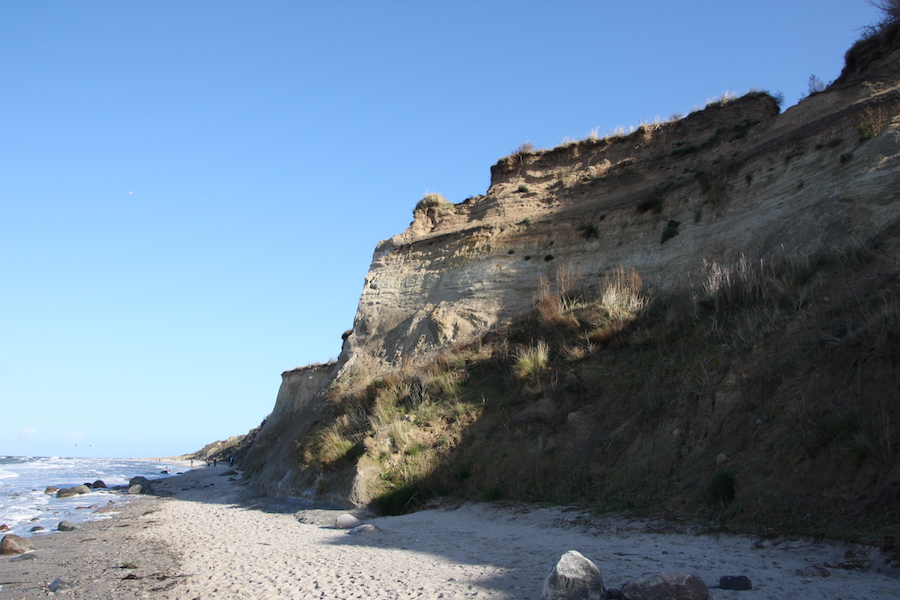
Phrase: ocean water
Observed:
(24, 505)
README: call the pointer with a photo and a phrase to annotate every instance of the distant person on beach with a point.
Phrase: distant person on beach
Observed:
(231, 462)
(215, 460)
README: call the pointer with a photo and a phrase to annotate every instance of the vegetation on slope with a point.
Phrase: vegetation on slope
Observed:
(765, 396)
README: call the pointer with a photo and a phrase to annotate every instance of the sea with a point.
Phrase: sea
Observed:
(24, 506)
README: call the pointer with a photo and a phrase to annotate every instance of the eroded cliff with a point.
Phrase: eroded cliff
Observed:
(736, 183)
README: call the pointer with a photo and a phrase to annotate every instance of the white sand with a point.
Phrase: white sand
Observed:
(231, 549)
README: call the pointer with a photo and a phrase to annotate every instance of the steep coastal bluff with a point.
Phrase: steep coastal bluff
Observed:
(734, 187)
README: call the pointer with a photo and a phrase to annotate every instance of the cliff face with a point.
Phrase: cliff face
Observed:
(737, 179)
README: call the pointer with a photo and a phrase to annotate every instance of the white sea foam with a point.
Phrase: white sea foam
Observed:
(23, 503)
(4, 474)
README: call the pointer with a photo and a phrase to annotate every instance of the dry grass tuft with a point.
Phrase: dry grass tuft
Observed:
(621, 292)
(873, 120)
(532, 361)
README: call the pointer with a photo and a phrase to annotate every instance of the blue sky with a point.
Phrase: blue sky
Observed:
(191, 191)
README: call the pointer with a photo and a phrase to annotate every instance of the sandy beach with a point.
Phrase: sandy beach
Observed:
(203, 535)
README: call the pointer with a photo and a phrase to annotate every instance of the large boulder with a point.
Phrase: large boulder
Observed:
(665, 586)
(139, 485)
(574, 578)
(99, 484)
(14, 544)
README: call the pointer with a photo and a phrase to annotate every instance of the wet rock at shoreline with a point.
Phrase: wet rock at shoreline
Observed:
(14, 544)
(99, 484)
(139, 485)
(73, 491)
(50, 489)
(67, 526)
(574, 578)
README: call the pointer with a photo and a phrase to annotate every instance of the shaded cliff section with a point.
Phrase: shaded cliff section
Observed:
(650, 415)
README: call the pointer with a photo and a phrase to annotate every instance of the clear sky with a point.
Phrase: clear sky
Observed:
(191, 191)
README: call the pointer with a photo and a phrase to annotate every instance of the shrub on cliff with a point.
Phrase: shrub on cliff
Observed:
(433, 201)
(890, 10)
(877, 44)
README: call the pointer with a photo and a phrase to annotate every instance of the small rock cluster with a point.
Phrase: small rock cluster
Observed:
(575, 577)
(15, 545)
(74, 491)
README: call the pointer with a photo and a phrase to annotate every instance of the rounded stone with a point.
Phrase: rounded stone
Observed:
(14, 544)
(347, 521)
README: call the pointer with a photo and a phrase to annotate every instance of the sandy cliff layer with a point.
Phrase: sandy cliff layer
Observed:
(739, 179)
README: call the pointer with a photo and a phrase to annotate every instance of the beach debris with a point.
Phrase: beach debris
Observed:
(73, 491)
(364, 529)
(347, 521)
(815, 571)
(665, 586)
(14, 544)
(139, 485)
(68, 526)
(98, 484)
(50, 489)
(735, 582)
(574, 577)
(61, 585)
